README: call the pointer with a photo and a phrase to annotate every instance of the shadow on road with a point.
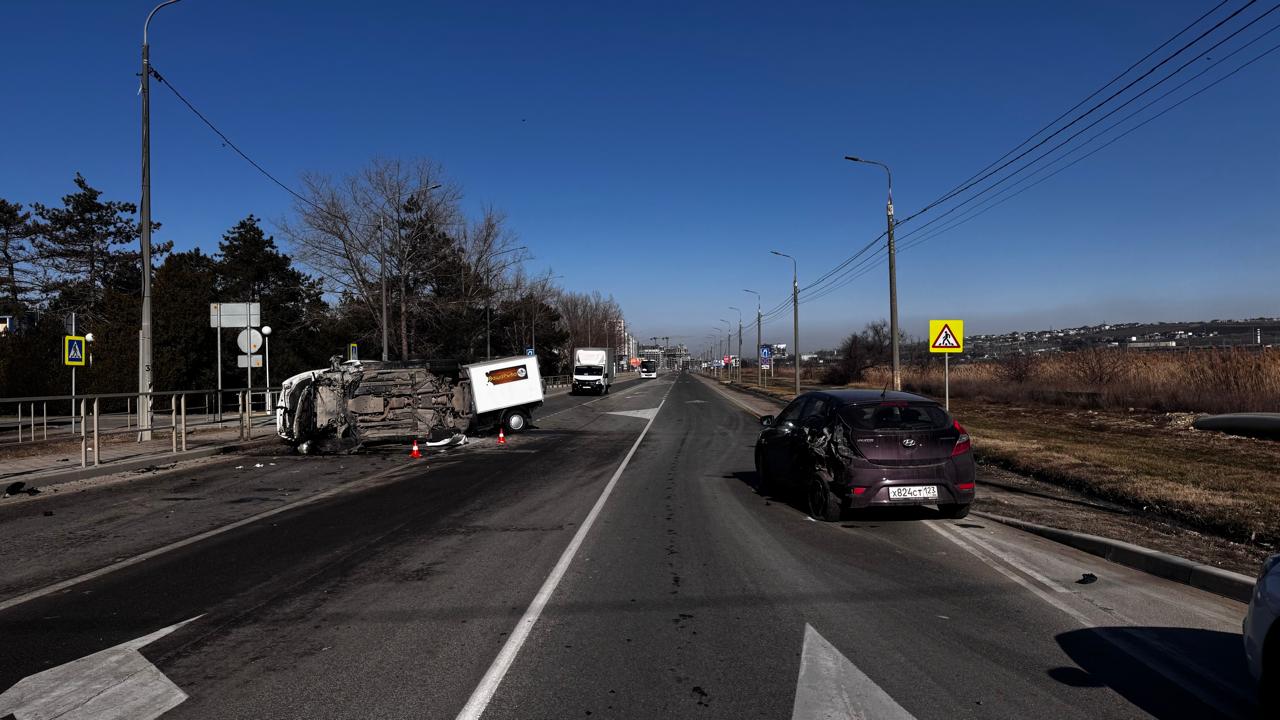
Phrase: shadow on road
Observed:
(865, 518)
(1170, 673)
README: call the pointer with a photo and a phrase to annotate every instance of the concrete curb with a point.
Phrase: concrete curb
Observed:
(1153, 562)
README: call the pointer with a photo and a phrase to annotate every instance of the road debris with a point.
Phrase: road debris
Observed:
(1087, 579)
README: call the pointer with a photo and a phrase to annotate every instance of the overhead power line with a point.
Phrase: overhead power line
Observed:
(840, 275)
(227, 142)
(842, 268)
(1095, 93)
(1096, 106)
(852, 272)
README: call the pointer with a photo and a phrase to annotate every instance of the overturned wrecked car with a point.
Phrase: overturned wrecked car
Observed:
(356, 403)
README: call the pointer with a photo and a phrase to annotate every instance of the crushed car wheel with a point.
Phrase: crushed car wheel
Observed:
(824, 505)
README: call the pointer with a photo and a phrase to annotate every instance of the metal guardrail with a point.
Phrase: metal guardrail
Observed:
(551, 381)
(89, 411)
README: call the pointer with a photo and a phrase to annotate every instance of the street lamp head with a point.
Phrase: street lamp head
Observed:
(88, 337)
(266, 329)
(854, 159)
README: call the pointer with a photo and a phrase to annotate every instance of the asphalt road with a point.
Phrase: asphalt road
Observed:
(466, 585)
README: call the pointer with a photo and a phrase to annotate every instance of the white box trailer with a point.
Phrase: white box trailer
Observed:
(593, 370)
(505, 391)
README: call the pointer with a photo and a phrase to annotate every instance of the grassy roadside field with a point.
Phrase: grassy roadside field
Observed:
(1152, 462)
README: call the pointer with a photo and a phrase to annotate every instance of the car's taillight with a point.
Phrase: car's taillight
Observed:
(963, 445)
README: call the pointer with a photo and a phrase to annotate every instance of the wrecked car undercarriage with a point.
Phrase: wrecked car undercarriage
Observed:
(352, 404)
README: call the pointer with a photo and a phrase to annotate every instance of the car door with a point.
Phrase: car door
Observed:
(777, 440)
(813, 418)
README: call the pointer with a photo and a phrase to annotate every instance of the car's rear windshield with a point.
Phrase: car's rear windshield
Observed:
(895, 416)
(592, 370)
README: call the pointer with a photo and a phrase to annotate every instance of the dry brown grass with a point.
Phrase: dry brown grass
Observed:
(1152, 462)
(1126, 435)
(1210, 381)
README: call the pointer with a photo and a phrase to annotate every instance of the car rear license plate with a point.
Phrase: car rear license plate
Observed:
(914, 492)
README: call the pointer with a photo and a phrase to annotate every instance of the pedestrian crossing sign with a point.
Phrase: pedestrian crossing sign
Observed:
(73, 350)
(946, 336)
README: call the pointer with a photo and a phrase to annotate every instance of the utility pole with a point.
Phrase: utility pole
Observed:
(893, 271)
(759, 370)
(795, 317)
(144, 333)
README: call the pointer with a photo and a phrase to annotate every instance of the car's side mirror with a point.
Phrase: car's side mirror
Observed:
(767, 420)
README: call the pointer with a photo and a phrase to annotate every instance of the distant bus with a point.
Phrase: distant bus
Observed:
(648, 368)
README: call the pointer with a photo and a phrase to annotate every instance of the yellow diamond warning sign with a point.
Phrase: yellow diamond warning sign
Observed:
(946, 336)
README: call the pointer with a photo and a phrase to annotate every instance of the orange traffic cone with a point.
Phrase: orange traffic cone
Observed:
(502, 437)
(416, 453)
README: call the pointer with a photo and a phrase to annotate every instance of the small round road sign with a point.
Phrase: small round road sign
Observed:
(249, 340)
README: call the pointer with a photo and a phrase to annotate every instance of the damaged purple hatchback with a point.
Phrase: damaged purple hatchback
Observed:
(845, 449)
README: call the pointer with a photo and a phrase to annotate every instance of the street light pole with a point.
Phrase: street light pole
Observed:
(144, 332)
(739, 343)
(893, 271)
(759, 370)
(795, 316)
(728, 343)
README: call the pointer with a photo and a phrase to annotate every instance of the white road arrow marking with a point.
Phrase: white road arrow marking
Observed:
(114, 684)
(830, 687)
(642, 414)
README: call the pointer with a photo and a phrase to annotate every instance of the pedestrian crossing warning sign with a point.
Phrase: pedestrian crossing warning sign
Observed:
(73, 350)
(946, 336)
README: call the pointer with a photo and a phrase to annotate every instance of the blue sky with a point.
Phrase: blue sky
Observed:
(658, 152)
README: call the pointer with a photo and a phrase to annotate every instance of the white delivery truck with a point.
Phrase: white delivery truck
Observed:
(593, 370)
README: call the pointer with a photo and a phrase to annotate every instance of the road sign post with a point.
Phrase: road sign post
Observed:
(231, 315)
(946, 337)
(73, 355)
(250, 341)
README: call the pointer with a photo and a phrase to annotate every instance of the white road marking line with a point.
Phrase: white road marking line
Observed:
(830, 687)
(575, 407)
(642, 414)
(484, 692)
(1038, 592)
(1155, 654)
(113, 684)
(1027, 569)
(63, 585)
(725, 394)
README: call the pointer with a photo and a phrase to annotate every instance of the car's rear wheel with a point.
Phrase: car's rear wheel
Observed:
(824, 505)
(954, 511)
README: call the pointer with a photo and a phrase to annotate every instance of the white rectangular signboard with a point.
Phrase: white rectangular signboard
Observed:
(235, 315)
(505, 382)
(243, 361)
